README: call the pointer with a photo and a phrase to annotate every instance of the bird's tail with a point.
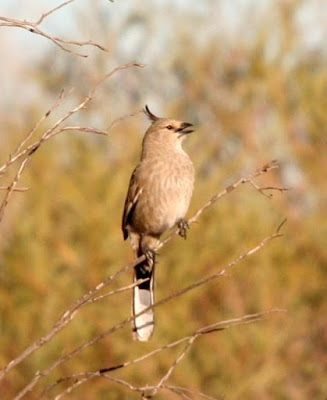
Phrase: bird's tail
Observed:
(143, 297)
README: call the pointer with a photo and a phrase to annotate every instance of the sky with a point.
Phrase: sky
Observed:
(230, 19)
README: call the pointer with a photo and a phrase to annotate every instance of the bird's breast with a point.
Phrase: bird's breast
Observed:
(167, 189)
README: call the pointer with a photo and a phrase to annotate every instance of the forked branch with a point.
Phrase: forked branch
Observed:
(34, 27)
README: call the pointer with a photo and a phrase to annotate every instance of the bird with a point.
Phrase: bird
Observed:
(158, 198)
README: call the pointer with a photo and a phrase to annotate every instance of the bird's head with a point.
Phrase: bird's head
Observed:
(166, 131)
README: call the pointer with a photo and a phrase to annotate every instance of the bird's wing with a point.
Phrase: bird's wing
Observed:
(133, 194)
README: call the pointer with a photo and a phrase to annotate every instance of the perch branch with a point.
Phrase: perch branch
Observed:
(70, 313)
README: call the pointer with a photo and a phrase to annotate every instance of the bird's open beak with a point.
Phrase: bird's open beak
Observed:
(184, 128)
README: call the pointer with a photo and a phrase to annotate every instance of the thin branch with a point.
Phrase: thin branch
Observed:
(56, 128)
(33, 27)
(16, 189)
(281, 225)
(263, 190)
(180, 393)
(16, 154)
(99, 131)
(119, 290)
(266, 168)
(181, 390)
(70, 313)
(150, 391)
(120, 119)
(44, 117)
(53, 10)
(63, 321)
(216, 327)
(174, 364)
(11, 188)
(118, 326)
(86, 129)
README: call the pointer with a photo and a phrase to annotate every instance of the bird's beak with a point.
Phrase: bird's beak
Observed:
(184, 128)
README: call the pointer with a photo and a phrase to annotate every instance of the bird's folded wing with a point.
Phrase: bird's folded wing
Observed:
(133, 194)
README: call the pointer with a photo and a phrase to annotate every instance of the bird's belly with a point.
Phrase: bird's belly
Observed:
(161, 205)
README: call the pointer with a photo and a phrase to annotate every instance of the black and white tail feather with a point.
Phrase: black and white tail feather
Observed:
(143, 297)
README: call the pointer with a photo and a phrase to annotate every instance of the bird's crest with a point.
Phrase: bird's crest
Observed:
(149, 114)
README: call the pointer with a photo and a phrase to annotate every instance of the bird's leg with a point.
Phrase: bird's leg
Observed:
(147, 245)
(150, 260)
(182, 225)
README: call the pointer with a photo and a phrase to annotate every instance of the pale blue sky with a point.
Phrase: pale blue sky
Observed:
(228, 19)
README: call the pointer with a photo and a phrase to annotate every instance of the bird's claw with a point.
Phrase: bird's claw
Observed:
(150, 256)
(182, 226)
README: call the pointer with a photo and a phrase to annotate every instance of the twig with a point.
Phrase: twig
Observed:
(44, 117)
(33, 27)
(11, 188)
(120, 290)
(17, 151)
(281, 225)
(263, 190)
(174, 364)
(216, 327)
(70, 313)
(57, 128)
(99, 131)
(46, 14)
(266, 168)
(180, 390)
(118, 326)
(16, 189)
(150, 391)
(63, 321)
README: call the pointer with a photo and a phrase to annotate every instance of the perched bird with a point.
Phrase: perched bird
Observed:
(158, 198)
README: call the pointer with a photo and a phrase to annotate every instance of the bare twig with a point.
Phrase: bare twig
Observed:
(56, 128)
(46, 14)
(99, 131)
(266, 168)
(16, 189)
(11, 188)
(182, 392)
(281, 225)
(263, 190)
(86, 129)
(18, 151)
(63, 321)
(150, 391)
(87, 298)
(70, 314)
(44, 117)
(164, 379)
(25, 153)
(116, 291)
(33, 27)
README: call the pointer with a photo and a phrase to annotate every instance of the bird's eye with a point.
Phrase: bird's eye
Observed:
(170, 127)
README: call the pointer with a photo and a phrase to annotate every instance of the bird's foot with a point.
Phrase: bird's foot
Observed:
(150, 256)
(182, 225)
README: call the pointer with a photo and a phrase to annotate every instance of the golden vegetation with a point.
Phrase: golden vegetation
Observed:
(61, 238)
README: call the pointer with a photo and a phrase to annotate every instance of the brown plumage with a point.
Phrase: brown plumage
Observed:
(158, 198)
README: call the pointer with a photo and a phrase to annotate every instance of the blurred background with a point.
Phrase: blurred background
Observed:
(252, 77)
